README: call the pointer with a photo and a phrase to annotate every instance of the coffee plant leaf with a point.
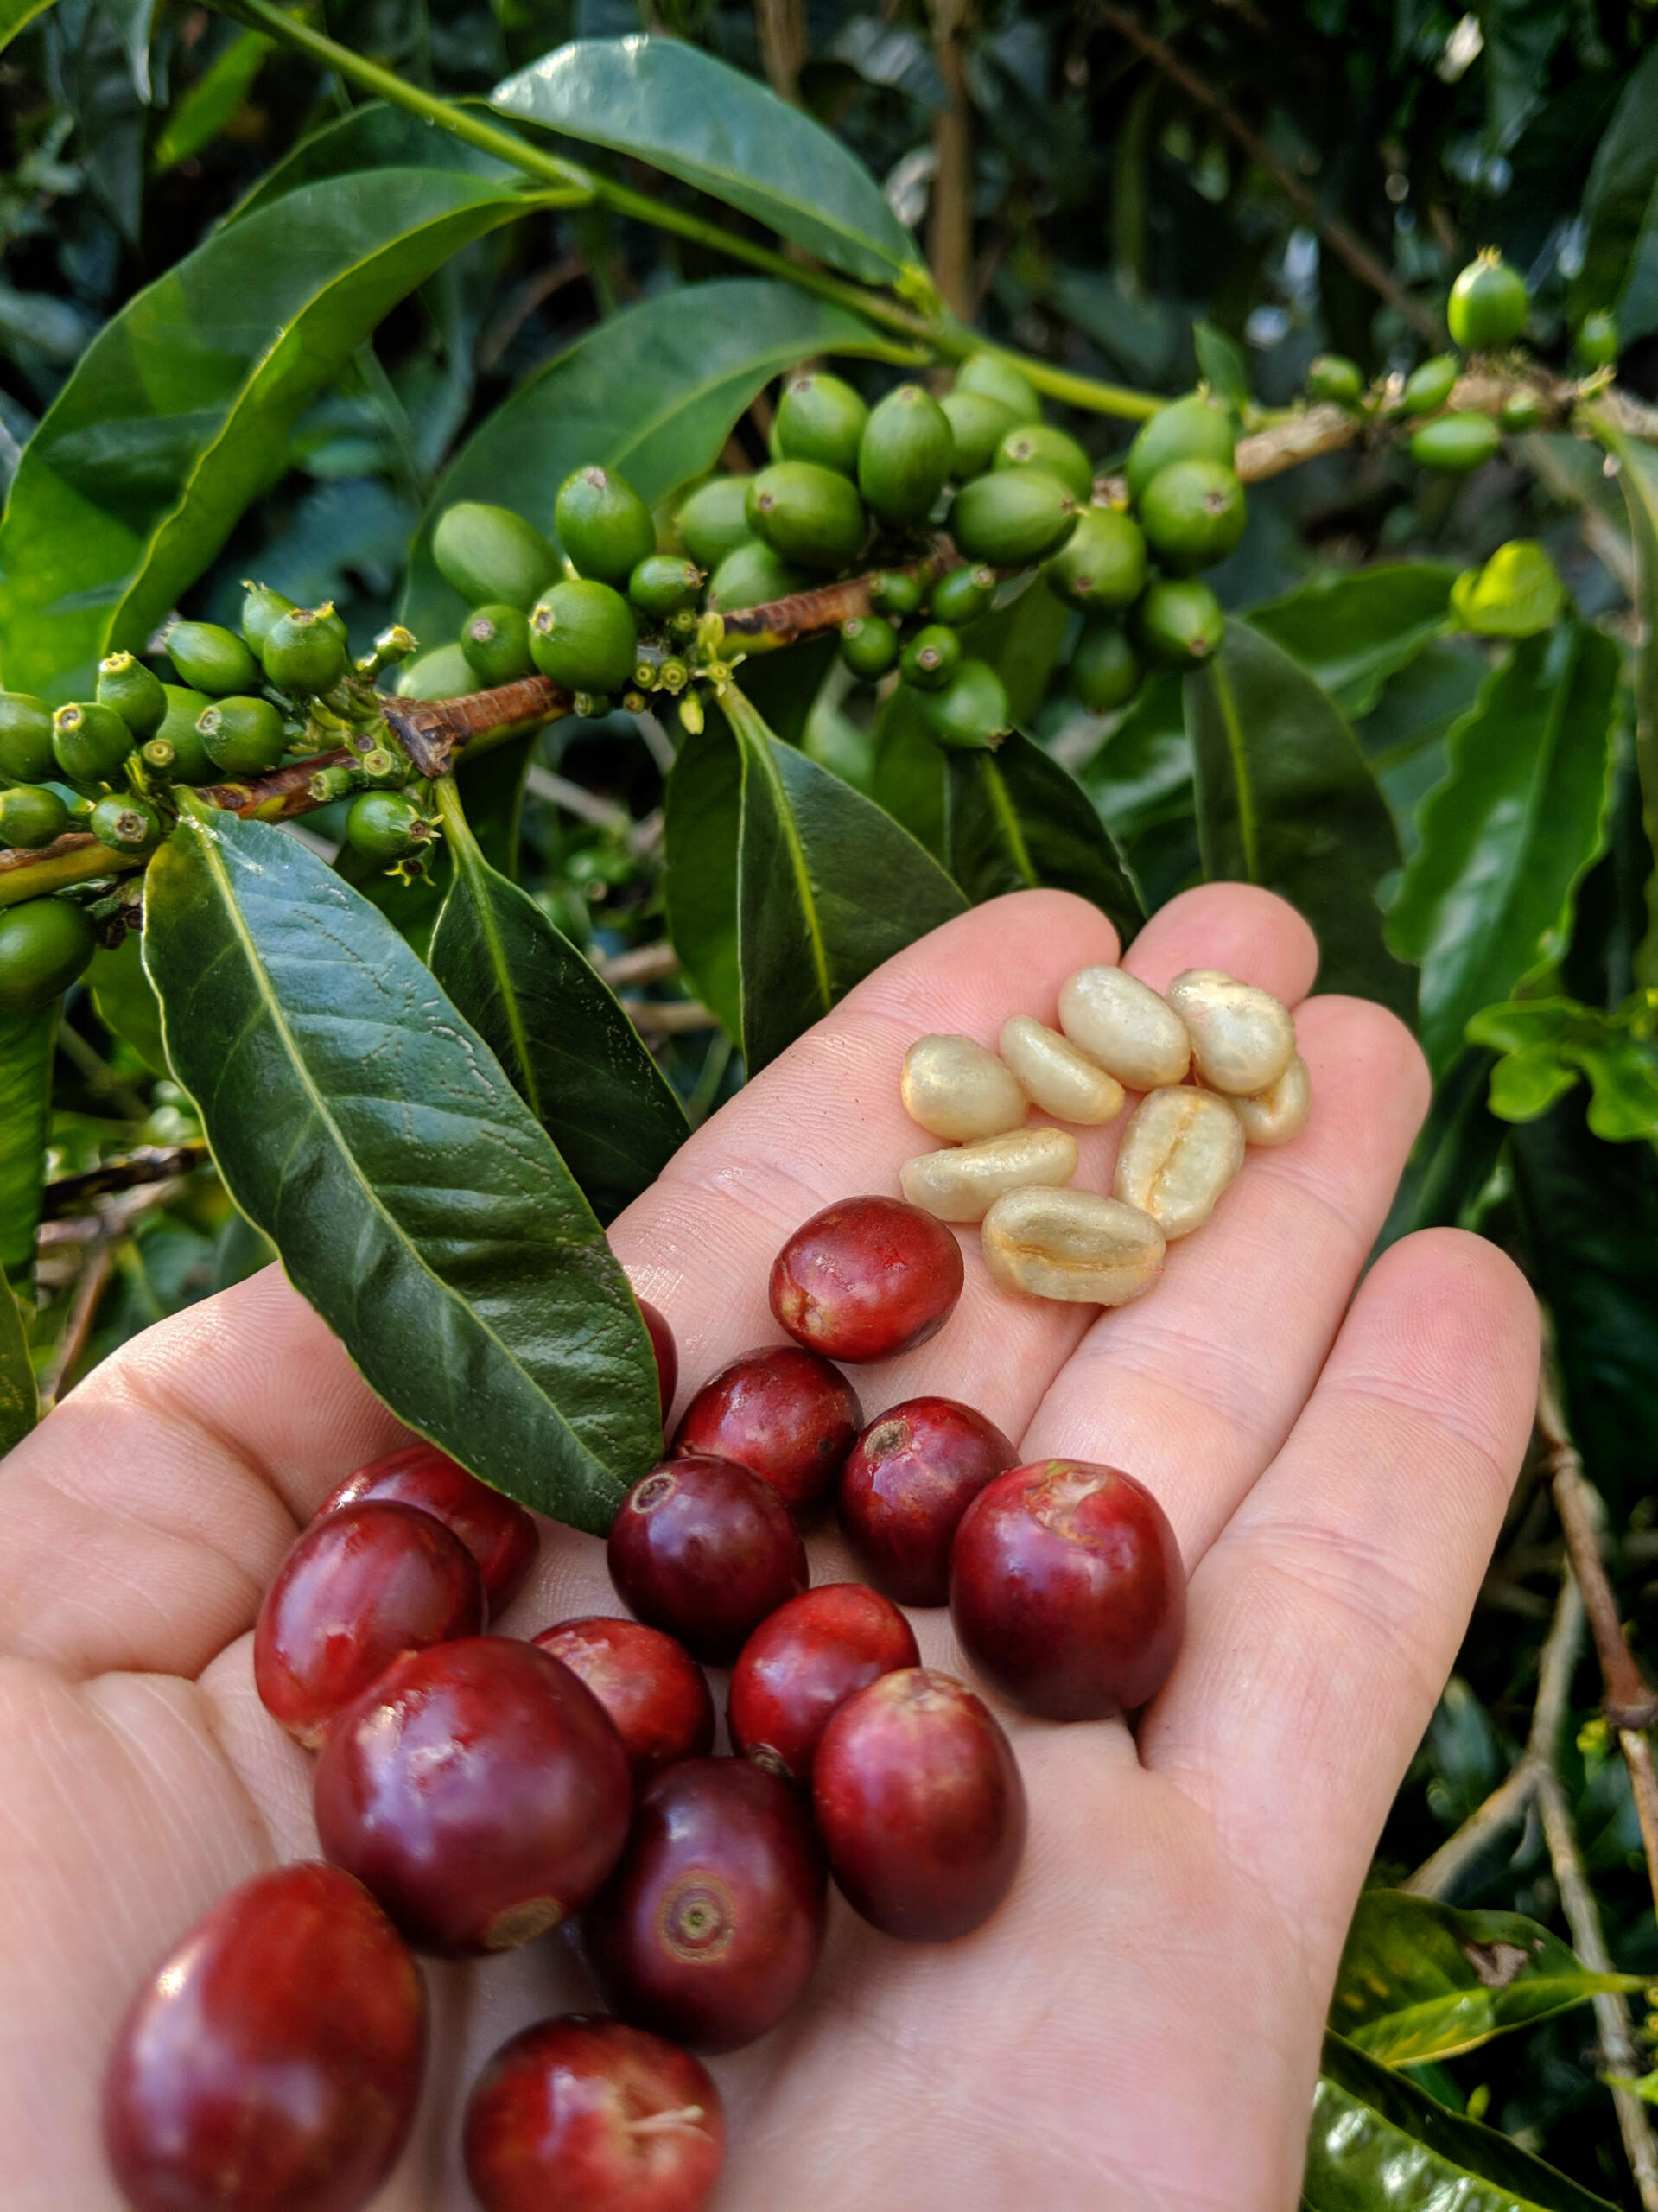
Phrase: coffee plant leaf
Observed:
(1016, 818)
(1141, 778)
(702, 819)
(26, 1047)
(375, 137)
(1222, 365)
(16, 16)
(1287, 800)
(1488, 896)
(1377, 2142)
(125, 1002)
(365, 1126)
(1352, 632)
(1421, 1981)
(573, 1056)
(202, 112)
(828, 887)
(653, 392)
(908, 777)
(1548, 1044)
(20, 1403)
(178, 414)
(1021, 642)
(1638, 475)
(1456, 1153)
(662, 101)
(1620, 248)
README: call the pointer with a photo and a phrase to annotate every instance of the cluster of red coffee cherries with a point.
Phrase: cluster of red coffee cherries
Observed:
(472, 1791)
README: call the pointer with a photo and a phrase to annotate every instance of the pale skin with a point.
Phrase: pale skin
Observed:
(1138, 2026)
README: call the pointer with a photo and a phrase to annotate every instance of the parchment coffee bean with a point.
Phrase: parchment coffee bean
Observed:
(961, 1182)
(1056, 1076)
(1123, 1024)
(1276, 1114)
(1181, 1149)
(955, 1089)
(1073, 1245)
(1242, 1038)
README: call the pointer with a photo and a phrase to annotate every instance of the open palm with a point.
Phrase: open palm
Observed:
(1138, 2025)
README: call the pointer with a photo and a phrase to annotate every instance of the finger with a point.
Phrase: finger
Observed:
(1325, 1619)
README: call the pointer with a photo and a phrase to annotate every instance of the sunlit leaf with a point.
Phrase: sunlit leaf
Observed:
(702, 819)
(26, 1041)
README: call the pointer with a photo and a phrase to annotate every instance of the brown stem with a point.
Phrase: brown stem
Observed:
(783, 44)
(781, 621)
(89, 1290)
(950, 230)
(433, 731)
(151, 1163)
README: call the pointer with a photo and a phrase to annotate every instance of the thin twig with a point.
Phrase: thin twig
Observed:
(575, 798)
(641, 963)
(94, 1278)
(783, 44)
(670, 1017)
(150, 1163)
(949, 234)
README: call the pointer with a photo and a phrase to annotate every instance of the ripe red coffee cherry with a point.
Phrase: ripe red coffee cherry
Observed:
(710, 1927)
(866, 1279)
(273, 2060)
(667, 1352)
(655, 1692)
(496, 1530)
(803, 1663)
(705, 1549)
(356, 1591)
(594, 2116)
(782, 1411)
(920, 1806)
(479, 1791)
(907, 1481)
(1066, 1589)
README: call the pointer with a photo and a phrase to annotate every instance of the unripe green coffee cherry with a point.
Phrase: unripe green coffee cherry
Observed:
(1193, 513)
(44, 944)
(897, 592)
(978, 423)
(604, 526)
(1597, 342)
(663, 583)
(1197, 428)
(489, 554)
(932, 657)
(808, 514)
(1038, 445)
(90, 742)
(997, 378)
(593, 706)
(962, 595)
(1012, 517)
(385, 826)
(380, 765)
(1181, 621)
(260, 607)
(1522, 410)
(583, 636)
(31, 817)
(1428, 387)
(1454, 444)
(126, 824)
(302, 651)
(753, 576)
(970, 713)
(905, 456)
(1105, 670)
(26, 754)
(187, 760)
(243, 737)
(714, 520)
(211, 658)
(1102, 565)
(1487, 307)
(820, 418)
(444, 673)
(869, 645)
(1334, 378)
(135, 693)
(496, 642)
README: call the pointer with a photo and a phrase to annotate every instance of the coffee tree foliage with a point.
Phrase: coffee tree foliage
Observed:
(270, 307)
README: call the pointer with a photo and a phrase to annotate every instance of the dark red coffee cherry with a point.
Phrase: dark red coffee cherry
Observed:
(655, 1692)
(1066, 1589)
(705, 1549)
(920, 1806)
(907, 1481)
(783, 1412)
(496, 1530)
(479, 1791)
(667, 1352)
(801, 1665)
(356, 1591)
(590, 2115)
(710, 1927)
(273, 2060)
(866, 1279)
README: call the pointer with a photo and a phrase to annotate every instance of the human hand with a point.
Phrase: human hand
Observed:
(1138, 2025)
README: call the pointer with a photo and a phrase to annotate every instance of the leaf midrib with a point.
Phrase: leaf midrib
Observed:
(473, 868)
(1243, 778)
(757, 746)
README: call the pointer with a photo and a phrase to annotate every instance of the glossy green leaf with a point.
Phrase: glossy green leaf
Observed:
(1016, 818)
(573, 1056)
(1351, 632)
(179, 412)
(375, 137)
(828, 887)
(362, 1123)
(125, 1002)
(217, 95)
(1638, 475)
(908, 779)
(17, 14)
(1220, 365)
(1453, 1160)
(667, 103)
(1548, 1044)
(1620, 250)
(1142, 780)
(1021, 642)
(1517, 594)
(26, 1043)
(1379, 2144)
(700, 825)
(1488, 896)
(1418, 1980)
(1287, 800)
(20, 1403)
